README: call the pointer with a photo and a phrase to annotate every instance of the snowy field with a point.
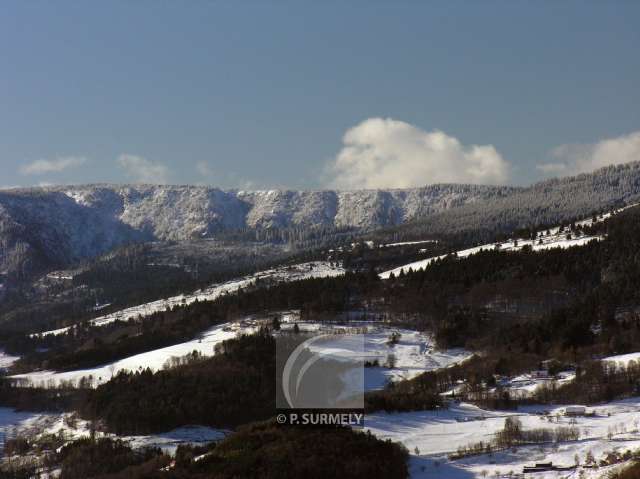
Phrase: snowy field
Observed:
(435, 434)
(407, 243)
(6, 360)
(555, 237)
(314, 269)
(524, 385)
(70, 428)
(413, 353)
(169, 441)
(155, 360)
(548, 242)
(12, 421)
(623, 359)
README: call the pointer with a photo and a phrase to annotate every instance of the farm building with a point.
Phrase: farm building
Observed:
(575, 411)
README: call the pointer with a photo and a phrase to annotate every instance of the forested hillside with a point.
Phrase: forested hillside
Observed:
(546, 203)
(55, 227)
(263, 450)
(568, 304)
(567, 308)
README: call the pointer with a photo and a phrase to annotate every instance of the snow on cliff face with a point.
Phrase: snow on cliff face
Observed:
(44, 228)
(183, 212)
(281, 209)
(57, 225)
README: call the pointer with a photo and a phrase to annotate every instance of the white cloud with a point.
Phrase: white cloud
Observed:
(574, 159)
(387, 153)
(204, 169)
(141, 170)
(40, 167)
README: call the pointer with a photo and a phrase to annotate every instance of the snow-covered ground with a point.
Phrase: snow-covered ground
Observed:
(70, 428)
(555, 237)
(548, 242)
(413, 353)
(314, 269)
(435, 434)
(7, 360)
(169, 441)
(525, 384)
(155, 360)
(623, 359)
(407, 243)
(509, 465)
(12, 421)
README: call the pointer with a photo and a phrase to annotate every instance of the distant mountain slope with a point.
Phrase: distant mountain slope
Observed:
(54, 226)
(183, 212)
(44, 227)
(40, 229)
(549, 202)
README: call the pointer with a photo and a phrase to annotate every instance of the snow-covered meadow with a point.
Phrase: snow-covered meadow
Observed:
(623, 359)
(154, 360)
(555, 237)
(12, 421)
(413, 353)
(539, 244)
(431, 436)
(6, 360)
(525, 384)
(314, 269)
(69, 428)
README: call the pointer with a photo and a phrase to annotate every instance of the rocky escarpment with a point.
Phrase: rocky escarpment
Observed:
(53, 226)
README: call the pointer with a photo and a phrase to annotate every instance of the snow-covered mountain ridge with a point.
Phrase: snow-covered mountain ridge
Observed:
(184, 212)
(52, 226)
(49, 227)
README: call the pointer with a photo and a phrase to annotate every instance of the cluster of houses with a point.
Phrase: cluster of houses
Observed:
(610, 459)
(244, 324)
(527, 383)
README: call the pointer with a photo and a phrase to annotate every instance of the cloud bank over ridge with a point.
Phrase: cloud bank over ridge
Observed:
(388, 153)
(584, 158)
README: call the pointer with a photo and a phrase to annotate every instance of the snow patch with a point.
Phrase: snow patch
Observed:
(314, 269)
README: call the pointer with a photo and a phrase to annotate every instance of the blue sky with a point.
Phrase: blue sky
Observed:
(310, 95)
